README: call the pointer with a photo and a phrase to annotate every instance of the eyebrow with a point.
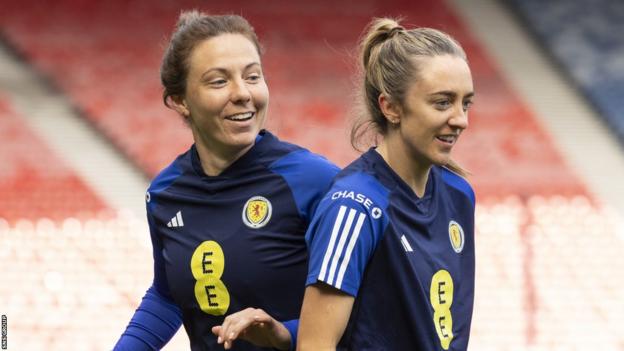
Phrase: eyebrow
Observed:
(223, 70)
(452, 94)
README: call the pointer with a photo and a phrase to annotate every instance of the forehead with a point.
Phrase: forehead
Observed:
(444, 73)
(223, 51)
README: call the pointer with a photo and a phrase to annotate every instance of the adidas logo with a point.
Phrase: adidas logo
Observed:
(405, 243)
(176, 221)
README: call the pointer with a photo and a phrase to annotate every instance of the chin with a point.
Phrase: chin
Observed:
(243, 139)
(441, 160)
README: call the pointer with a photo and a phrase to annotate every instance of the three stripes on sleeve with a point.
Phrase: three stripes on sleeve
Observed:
(340, 246)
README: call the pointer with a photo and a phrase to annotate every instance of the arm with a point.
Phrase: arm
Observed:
(257, 327)
(341, 239)
(157, 318)
(154, 323)
(324, 316)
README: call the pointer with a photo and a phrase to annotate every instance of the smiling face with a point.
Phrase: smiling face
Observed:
(226, 97)
(435, 109)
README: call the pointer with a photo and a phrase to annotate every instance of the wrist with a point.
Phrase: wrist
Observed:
(291, 327)
(282, 339)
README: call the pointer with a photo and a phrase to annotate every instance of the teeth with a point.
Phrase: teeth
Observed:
(241, 116)
(447, 138)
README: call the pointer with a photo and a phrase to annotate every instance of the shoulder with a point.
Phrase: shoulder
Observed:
(358, 190)
(303, 160)
(169, 174)
(283, 157)
(458, 183)
(298, 163)
(307, 175)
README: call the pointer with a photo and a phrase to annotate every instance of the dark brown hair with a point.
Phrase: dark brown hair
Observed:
(192, 28)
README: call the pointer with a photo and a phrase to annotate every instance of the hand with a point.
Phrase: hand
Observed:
(253, 325)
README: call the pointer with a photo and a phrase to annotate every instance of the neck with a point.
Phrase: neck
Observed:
(412, 171)
(214, 160)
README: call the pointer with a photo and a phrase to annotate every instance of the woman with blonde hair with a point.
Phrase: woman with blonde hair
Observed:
(391, 245)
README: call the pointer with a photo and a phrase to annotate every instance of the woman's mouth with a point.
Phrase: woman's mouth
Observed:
(240, 117)
(447, 139)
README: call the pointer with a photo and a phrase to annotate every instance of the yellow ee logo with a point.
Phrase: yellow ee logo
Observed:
(207, 264)
(441, 296)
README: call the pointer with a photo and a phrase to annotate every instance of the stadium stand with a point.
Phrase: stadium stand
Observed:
(34, 182)
(110, 73)
(547, 250)
(70, 283)
(585, 38)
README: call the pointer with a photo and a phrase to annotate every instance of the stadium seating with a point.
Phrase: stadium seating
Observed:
(545, 275)
(111, 74)
(589, 47)
(34, 182)
(541, 284)
(547, 251)
(71, 284)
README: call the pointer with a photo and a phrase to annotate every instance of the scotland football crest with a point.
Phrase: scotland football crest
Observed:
(257, 212)
(456, 235)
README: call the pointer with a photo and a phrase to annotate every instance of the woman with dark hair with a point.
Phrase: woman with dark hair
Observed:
(227, 218)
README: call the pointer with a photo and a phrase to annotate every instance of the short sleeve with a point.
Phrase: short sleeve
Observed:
(342, 237)
(308, 175)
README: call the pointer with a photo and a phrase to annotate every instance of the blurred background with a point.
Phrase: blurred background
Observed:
(83, 130)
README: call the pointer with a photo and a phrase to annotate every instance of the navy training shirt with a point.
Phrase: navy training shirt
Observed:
(408, 261)
(228, 242)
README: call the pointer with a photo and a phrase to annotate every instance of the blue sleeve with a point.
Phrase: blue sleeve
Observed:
(154, 323)
(308, 176)
(292, 326)
(160, 275)
(340, 242)
(157, 318)
(344, 233)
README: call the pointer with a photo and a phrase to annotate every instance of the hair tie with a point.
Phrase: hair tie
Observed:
(395, 30)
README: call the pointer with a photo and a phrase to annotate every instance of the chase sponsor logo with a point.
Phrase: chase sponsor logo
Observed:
(360, 198)
(257, 212)
(456, 236)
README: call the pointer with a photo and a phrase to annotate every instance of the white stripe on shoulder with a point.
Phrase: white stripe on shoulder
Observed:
(332, 241)
(347, 256)
(343, 238)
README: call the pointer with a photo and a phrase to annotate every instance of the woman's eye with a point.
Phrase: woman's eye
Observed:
(218, 82)
(253, 77)
(443, 104)
(467, 105)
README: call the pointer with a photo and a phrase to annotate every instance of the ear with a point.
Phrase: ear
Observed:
(179, 104)
(390, 109)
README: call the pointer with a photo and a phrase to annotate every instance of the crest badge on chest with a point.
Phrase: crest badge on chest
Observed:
(257, 212)
(456, 236)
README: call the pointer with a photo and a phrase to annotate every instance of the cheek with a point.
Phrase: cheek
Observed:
(261, 95)
(416, 129)
(211, 101)
(434, 121)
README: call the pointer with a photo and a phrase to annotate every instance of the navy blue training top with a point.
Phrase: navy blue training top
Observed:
(228, 242)
(408, 261)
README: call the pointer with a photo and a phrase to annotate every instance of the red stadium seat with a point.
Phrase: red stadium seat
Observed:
(543, 242)
(34, 182)
(111, 74)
